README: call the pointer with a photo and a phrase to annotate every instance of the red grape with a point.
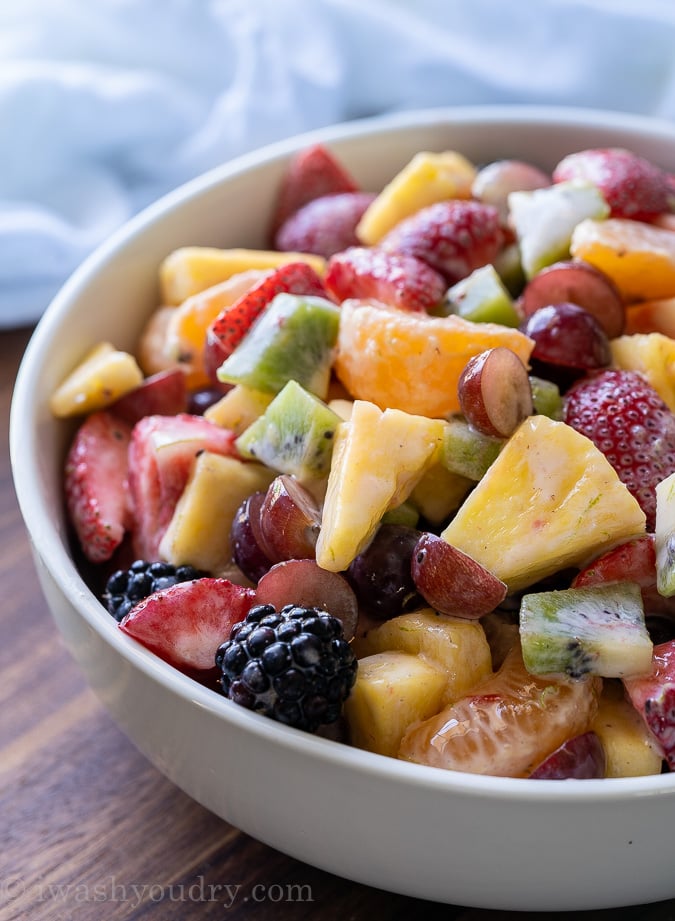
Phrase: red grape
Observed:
(494, 392)
(381, 576)
(290, 519)
(248, 546)
(568, 336)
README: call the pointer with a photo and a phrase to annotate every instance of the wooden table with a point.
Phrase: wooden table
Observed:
(89, 830)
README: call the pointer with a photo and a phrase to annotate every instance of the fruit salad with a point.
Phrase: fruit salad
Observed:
(406, 478)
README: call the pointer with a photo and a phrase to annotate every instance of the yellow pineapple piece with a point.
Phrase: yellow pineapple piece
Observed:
(551, 499)
(653, 356)
(629, 746)
(191, 269)
(342, 408)
(152, 352)
(238, 408)
(199, 531)
(392, 691)
(458, 647)
(656, 316)
(378, 458)
(103, 376)
(638, 257)
(439, 493)
(426, 179)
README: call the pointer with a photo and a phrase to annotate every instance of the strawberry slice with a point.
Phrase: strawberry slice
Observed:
(186, 623)
(632, 186)
(95, 483)
(231, 325)
(453, 237)
(324, 226)
(398, 280)
(162, 394)
(628, 421)
(312, 173)
(632, 561)
(161, 453)
(653, 696)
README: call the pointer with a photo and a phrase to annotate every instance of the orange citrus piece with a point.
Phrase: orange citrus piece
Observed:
(506, 725)
(412, 361)
(638, 257)
(187, 326)
(652, 317)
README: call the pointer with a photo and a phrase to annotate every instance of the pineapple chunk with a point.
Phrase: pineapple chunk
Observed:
(392, 691)
(199, 531)
(629, 746)
(426, 179)
(191, 269)
(458, 647)
(239, 408)
(103, 376)
(551, 499)
(653, 356)
(378, 458)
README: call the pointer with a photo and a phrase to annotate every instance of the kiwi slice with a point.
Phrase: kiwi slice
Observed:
(294, 435)
(467, 451)
(482, 298)
(597, 630)
(546, 398)
(293, 339)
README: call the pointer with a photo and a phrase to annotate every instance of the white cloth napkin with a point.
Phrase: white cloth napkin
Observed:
(105, 106)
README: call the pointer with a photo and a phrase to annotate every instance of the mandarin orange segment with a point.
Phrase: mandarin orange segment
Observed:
(413, 361)
(638, 257)
(656, 316)
(506, 725)
(187, 325)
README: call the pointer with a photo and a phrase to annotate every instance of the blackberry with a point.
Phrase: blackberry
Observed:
(293, 665)
(126, 587)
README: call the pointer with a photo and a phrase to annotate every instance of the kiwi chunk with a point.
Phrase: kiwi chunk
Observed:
(294, 435)
(293, 339)
(482, 297)
(467, 451)
(546, 398)
(598, 630)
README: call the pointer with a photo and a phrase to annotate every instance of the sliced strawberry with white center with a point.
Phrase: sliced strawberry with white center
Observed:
(653, 696)
(96, 488)
(161, 454)
(186, 623)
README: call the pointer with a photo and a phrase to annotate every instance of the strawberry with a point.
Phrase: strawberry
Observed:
(453, 237)
(632, 561)
(325, 225)
(96, 487)
(186, 623)
(163, 394)
(653, 696)
(311, 173)
(231, 325)
(632, 186)
(395, 279)
(628, 421)
(161, 453)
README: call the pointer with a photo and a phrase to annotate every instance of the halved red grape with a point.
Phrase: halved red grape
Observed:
(495, 393)
(304, 583)
(290, 519)
(452, 582)
(381, 576)
(580, 283)
(248, 545)
(581, 757)
(568, 336)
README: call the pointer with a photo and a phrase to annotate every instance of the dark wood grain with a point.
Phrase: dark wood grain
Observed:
(89, 830)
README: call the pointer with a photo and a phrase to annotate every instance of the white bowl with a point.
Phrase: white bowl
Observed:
(457, 838)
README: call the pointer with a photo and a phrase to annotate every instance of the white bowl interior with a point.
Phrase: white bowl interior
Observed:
(415, 830)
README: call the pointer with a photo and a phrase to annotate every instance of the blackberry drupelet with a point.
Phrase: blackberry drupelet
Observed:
(293, 665)
(126, 587)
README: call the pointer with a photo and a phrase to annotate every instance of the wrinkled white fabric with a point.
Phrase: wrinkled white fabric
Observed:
(105, 106)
